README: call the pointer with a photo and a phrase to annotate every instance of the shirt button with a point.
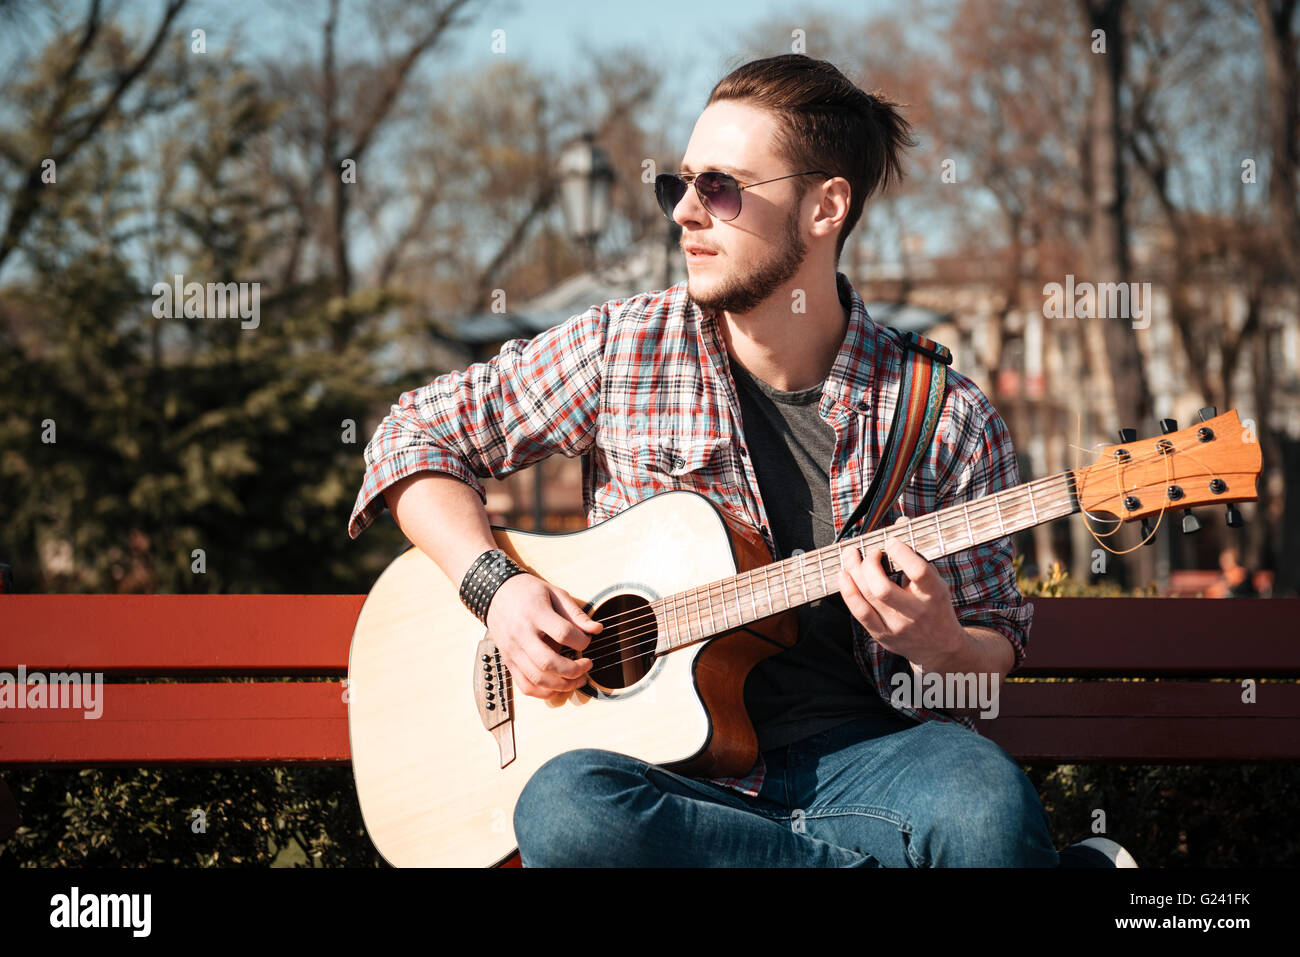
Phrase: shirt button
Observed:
(864, 405)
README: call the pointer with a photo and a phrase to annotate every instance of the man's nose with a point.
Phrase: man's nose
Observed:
(689, 209)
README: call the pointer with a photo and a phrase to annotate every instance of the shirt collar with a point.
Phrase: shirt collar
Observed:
(854, 368)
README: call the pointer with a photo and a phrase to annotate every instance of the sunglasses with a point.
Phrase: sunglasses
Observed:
(719, 192)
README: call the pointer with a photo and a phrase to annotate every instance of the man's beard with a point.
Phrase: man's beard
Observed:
(742, 294)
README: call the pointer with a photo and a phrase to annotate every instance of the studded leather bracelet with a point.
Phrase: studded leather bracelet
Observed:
(489, 571)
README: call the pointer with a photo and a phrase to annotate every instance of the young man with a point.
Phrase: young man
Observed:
(762, 383)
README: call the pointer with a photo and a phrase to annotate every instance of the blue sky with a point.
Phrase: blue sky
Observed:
(548, 34)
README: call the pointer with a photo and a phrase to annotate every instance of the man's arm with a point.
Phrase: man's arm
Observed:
(442, 517)
(533, 399)
(528, 618)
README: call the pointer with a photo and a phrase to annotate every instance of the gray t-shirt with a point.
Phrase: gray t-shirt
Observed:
(817, 684)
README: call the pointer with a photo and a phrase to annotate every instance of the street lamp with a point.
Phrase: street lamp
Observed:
(586, 177)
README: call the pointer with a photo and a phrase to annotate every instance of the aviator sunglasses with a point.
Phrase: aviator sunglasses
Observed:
(719, 192)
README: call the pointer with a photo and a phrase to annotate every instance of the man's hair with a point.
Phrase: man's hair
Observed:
(825, 122)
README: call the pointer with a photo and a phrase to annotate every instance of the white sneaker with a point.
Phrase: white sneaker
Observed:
(1116, 853)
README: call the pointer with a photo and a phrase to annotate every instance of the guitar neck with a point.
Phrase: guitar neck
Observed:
(699, 613)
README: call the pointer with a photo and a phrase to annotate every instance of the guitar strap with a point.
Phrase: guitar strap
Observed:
(916, 416)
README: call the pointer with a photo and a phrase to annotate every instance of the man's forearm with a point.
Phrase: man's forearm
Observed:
(986, 651)
(444, 518)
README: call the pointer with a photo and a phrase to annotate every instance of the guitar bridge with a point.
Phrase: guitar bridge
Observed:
(492, 697)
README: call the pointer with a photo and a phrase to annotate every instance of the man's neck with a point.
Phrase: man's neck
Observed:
(788, 350)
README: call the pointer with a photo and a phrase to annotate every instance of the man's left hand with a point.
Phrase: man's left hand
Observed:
(915, 620)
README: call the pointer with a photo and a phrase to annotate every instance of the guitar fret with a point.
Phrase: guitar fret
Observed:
(785, 587)
(1032, 510)
(822, 568)
(938, 530)
(998, 509)
(753, 598)
(965, 511)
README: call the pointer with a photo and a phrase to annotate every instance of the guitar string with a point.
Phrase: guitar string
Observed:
(638, 616)
(831, 563)
(977, 512)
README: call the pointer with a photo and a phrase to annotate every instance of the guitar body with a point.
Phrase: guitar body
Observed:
(429, 772)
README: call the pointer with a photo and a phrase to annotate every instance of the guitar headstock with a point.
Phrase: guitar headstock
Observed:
(1215, 462)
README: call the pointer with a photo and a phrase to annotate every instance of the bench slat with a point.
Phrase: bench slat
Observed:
(292, 722)
(1141, 637)
(310, 634)
(179, 634)
(1121, 740)
(268, 722)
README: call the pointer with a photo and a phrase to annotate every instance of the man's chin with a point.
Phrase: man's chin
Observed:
(701, 293)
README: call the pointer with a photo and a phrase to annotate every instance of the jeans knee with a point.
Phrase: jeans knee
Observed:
(985, 814)
(559, 819)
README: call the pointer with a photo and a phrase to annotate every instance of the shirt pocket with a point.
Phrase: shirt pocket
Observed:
(677, 462)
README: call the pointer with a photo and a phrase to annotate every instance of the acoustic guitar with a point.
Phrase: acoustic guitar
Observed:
(691, 600)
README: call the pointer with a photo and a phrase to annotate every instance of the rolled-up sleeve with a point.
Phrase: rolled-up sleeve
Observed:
(982, 580)
(535, 398)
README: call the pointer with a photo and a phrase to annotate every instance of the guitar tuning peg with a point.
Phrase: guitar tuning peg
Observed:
(1168, 425)
(1206, 412)
(1147, 537)
(1128, 435)
(1234, 517)
(1190, 522)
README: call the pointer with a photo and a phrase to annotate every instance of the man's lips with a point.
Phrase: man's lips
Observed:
(699, 251)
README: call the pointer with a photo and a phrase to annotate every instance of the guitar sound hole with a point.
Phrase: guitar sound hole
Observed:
(623, 653)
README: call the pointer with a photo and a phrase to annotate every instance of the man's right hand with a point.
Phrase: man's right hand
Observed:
(530, 620)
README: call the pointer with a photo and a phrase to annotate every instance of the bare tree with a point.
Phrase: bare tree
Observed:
(68, 122)
(1277, 24)
(1112, 345)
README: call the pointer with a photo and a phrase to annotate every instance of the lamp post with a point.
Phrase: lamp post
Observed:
(586, 177)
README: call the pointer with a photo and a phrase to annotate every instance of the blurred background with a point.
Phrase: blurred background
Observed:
(412, 184)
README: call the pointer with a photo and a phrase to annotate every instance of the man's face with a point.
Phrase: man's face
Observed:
(763, 247)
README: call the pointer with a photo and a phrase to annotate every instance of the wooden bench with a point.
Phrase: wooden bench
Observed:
(197, 721)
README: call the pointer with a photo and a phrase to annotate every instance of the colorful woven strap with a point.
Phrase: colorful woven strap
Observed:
(916, 416)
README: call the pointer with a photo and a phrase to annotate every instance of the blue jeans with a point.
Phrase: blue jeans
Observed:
(869, 793)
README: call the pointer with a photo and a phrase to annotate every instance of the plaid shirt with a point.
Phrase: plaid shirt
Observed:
(643, 386)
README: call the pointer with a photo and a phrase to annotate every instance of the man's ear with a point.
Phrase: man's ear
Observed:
(831, 211)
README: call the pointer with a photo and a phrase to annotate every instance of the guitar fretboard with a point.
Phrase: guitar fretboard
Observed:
(699, 613)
